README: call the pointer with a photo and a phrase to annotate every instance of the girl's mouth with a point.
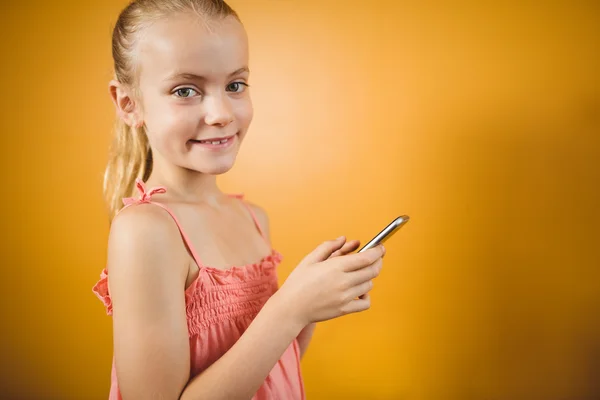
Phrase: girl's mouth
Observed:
(215, 143)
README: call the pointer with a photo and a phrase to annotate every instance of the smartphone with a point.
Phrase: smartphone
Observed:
(386, 233)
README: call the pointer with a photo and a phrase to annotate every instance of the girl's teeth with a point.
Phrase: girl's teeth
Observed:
(214, 141)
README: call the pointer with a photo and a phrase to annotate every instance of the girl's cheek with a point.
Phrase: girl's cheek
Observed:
(244, 112)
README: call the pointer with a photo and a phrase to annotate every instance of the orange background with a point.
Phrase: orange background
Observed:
(479, 121)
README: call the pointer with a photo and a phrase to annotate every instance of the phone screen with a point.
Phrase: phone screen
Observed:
(386, 233)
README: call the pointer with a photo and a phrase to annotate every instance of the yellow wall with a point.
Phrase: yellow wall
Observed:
(481, 122)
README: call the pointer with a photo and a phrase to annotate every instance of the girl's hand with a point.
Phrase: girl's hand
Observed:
(329, 283)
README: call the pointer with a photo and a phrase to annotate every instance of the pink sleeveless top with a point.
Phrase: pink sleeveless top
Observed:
(220, 305)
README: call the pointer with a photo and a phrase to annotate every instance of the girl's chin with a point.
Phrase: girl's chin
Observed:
(217, 167)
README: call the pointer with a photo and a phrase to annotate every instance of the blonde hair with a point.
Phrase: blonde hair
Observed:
(130, 155)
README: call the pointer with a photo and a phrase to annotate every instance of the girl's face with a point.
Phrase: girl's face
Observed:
(193, 84)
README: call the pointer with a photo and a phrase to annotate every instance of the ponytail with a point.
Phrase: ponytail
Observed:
(130, 158)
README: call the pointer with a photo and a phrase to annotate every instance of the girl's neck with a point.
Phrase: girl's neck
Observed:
(188, 186)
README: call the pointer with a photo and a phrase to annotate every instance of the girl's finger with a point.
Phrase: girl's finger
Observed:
(360, 290)
(358, 305)
(348, 247)
(355, 261)
(365, 274)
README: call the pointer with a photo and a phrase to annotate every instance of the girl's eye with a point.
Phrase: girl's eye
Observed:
(185, 92)
(237, 87)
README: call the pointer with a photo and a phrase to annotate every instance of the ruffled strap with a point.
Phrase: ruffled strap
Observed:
(100, 289)
(145, 195)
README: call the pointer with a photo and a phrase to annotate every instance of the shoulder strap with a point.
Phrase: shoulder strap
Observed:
(146, 197)
(253, 215)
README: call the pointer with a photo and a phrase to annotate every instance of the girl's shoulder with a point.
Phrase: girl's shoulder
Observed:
(144, 222)
(143, 234)
(144, 251)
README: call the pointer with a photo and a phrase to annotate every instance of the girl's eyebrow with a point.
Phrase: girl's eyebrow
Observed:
(189, 76)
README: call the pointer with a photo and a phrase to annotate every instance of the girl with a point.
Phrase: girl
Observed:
(191, 277)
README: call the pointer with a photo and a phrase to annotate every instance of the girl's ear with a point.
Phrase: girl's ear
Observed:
(125, 104)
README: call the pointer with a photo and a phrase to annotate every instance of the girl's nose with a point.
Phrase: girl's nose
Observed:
(218, 110)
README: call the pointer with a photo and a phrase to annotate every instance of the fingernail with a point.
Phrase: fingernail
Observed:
(340, 238)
